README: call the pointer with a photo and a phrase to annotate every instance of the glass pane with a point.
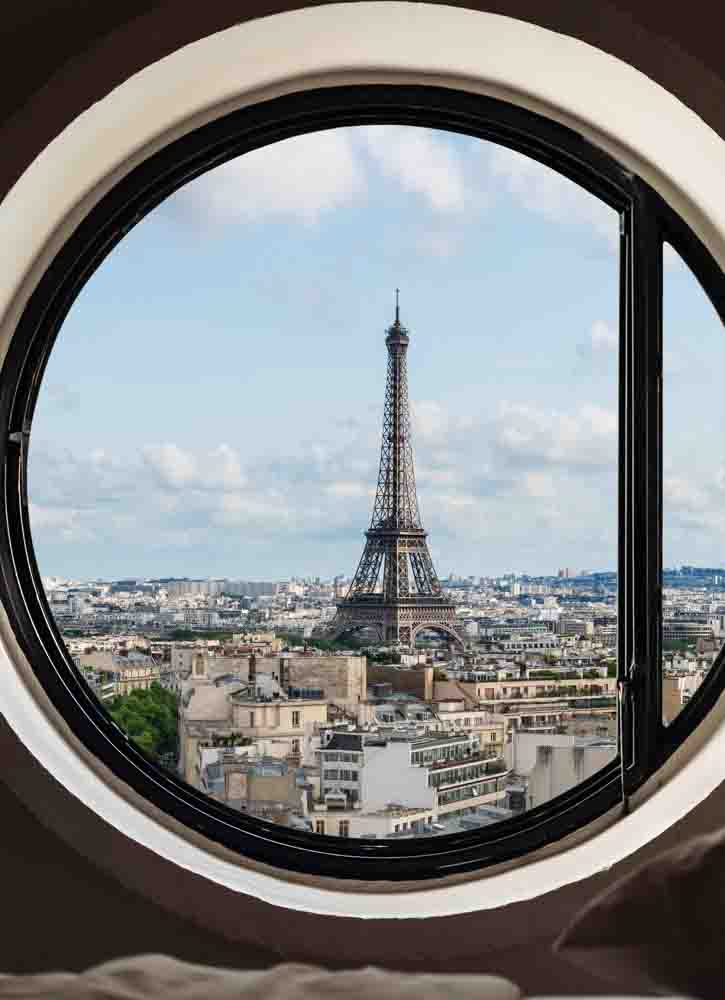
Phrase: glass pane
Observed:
(693, 486)
(347, 563)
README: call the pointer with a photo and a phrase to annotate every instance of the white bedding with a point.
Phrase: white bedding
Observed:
(158, 977)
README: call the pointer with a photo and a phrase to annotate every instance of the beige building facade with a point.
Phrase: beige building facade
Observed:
(343, 679)
(284, 722)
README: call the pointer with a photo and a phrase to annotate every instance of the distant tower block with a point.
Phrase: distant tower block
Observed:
(395, 591)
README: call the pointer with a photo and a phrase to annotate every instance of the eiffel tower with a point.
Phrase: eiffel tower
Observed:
(395, 591)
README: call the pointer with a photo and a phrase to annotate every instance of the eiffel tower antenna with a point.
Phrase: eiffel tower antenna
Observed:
(395, 590)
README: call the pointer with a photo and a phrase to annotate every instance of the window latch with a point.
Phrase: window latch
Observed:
(627, 687)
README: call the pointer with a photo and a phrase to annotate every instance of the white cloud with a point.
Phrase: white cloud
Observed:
(63, 523)
(239, 508)
(419, 162)
(176, 469)
(548, 193)
(433, 422)
(682, 495)
(528, 434)
(224, 468)
(694, 516)
(673, 364)
(306, 176)
(344, 489)
(300, 178)
(58, 478)
(604, 339)
(429, 420)
(671, 260)
(599, 350)
(455, 502)
(436, 475)
(173, 467)
(539, 485)
(479, 480)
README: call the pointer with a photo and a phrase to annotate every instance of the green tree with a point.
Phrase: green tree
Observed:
(321, 643)
(188, 635)
(677, 646)
(149, 717)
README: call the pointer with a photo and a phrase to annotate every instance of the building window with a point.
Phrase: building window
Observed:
(344, 827)
(319, 826)
(645, 223)
(295, 720)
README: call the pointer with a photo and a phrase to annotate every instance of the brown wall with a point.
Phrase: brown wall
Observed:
(417, 680)
(342, 678)
(60, 56)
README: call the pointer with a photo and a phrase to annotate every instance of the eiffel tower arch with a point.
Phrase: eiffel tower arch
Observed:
(395, 591)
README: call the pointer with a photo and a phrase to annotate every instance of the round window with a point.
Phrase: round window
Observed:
(334, 464)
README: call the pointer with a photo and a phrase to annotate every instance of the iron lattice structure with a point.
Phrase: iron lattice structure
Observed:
(395, 590)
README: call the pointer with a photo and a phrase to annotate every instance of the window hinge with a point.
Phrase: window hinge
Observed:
(19, 437)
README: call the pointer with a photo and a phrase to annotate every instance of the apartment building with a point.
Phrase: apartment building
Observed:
(679, 629)
(455, 715)
(560, 767)
(677, 689)
(342, 678)
(278, 721)
(264, 787)
(376, 783)
(537, 642)
(127, 672)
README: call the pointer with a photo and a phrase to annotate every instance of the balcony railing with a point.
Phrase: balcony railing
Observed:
(462, 774)
(478, 758)
(451, 796)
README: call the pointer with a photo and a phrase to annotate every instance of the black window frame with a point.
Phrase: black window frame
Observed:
(646, 221)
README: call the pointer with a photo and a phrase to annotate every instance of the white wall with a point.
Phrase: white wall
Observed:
(388, 776)
(521, 753)
(560, 768)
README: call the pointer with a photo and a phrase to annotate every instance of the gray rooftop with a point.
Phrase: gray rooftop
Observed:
(345, 741)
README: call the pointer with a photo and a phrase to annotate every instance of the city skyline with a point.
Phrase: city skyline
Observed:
(559, 573)
(198, 411)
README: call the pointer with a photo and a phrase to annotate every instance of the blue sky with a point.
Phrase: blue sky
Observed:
(214, 401)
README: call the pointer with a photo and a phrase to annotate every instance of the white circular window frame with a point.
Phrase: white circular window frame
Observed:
(615, 106)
